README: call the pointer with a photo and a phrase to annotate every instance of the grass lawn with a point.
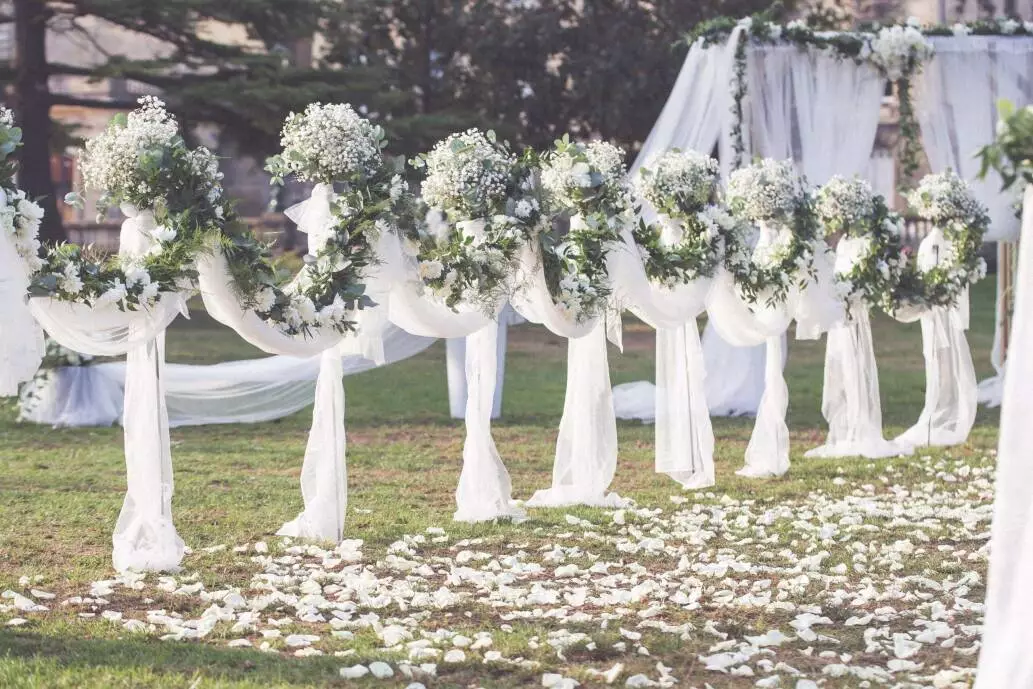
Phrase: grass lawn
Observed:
(235, 485)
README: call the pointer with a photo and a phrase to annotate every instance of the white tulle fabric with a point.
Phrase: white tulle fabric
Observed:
(20, 355)
(694, 118)
(323, 473)
(958, 94)
(741, 324)
(823, 113)
(850, 399)
(586, 450)
(144, 537)
(684, 436)
(1005, 660)
(248, 391)
(485, 489)
(950, 378)
(455, 367)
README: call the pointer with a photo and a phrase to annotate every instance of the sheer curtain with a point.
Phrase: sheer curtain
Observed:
(586, 450)
(246, 391)
(957, 95)
(1005, 660)
(455, 367)
(693, 118)
(823, 113)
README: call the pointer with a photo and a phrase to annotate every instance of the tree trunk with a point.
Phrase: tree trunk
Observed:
(32, 102)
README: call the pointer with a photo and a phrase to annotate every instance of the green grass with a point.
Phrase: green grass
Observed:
(62, 489)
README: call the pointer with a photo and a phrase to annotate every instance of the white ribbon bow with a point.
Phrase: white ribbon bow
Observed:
(314, 217)
(135, 238)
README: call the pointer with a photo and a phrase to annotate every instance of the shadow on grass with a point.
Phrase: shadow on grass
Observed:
(188, 659)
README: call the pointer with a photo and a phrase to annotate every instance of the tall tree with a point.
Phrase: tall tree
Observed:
(530, 69)
(247, 85)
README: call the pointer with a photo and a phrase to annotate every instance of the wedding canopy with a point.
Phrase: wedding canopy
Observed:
(822, 109)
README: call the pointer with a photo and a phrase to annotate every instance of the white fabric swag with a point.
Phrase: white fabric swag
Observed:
(246, 391)
(323, 472)
(586, 449)
(1005, 660)
(958, 94)
(144, 537)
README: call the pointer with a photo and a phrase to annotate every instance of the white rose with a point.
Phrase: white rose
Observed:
(265, 300)
(137, 276)
(30, 210)
(163, 234)
(113, 295)
(306, 309)
(430, 270)
(523, 208)
(150, 292)
(960, 30)
(581, 174)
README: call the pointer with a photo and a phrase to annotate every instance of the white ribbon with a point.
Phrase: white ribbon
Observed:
(324, 473)
(950, 378)
(314, 217)
(136, 238)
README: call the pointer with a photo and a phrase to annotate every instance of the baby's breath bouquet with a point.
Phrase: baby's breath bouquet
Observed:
(328, 143)
(363, 194)
(483, 205)
(870, 259)
(945, 200)
(770, 193)
(141, 163)
(689, 240)
(584, 186)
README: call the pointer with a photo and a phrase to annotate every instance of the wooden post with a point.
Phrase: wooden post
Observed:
(1006, 276)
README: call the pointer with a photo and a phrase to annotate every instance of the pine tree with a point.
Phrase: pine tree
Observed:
(247, 86)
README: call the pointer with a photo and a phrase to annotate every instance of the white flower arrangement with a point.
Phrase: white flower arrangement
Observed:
(678, 181)
(20, 217)
(767, 191)
(468, 175)
(896, 50)
(689, 241)
(585, 187)
(945, 200)
(328, 143)
(770, 193)
(484, 204)
(869, 259)
(141, 161)
(119, 162)
(587, 179)
(845, 204)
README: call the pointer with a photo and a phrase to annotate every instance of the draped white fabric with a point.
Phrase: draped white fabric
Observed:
(248, 391)
(324, 474)
(684, 436)
(20, 356)
(693, 118)
(455, 366)
(144, 537)
(823, 113)
(485, 491)
(1005, 660)
(850, 399)
(485, 488)
(958, 94)
(586, 450)
(323, 486)
(950, 378)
